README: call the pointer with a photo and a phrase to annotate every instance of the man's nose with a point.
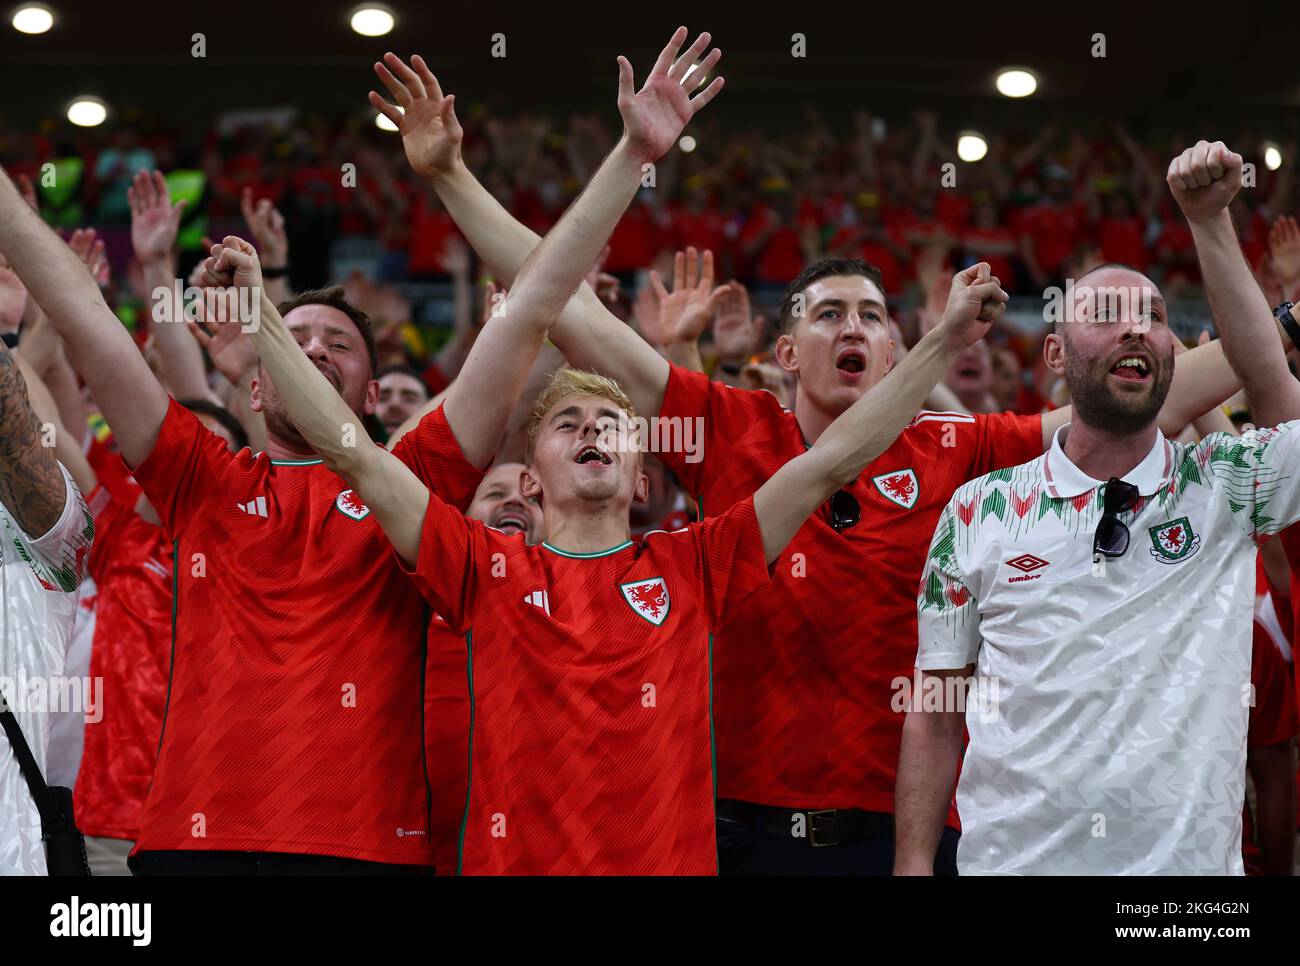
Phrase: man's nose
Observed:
(316, 349)
(1136, 327)
(854, 328)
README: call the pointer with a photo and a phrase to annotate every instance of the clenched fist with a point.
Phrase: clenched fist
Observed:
(1204, 179)
(974, 302)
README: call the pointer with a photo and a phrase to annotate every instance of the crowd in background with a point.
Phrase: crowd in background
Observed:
(701, 256)
(1038, 208)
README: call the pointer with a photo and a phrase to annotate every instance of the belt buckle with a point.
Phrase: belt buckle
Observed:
(812, 827)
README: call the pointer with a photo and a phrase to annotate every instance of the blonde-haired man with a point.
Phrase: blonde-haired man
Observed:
(589, 658)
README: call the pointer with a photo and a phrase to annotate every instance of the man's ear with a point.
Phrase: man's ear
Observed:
(529, 483)
(372, 398)
(641, 489)
(255, 395)
(1054, 353)
(787, 355)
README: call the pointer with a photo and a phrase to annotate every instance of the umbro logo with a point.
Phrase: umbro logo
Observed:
(255, 507)
(539, 598)
(1026, 563)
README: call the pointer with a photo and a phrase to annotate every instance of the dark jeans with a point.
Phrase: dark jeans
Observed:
(199, 862)
(747, 851)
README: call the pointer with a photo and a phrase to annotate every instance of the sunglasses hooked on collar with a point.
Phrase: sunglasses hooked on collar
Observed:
(1112, 537)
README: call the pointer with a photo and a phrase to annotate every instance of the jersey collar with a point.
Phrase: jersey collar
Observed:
(1063, 480)
(587, 556)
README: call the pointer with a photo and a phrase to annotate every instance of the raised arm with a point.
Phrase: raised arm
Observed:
(1204, 179)
(388, 487)
(267, 225)
(479, 402)
(99, 347)
(31, 486)
(590, 336)
(868, 427)
(155, 222)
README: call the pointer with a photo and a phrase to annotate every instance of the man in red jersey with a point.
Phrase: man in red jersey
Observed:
(808, 726)
(291, 739)
(500, 504)
(589, 654)
(131, 563)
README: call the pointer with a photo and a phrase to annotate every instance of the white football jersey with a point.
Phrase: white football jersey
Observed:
(39, 577)
(1113, 697)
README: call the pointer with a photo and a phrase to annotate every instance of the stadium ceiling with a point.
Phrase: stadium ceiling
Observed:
(140, 54)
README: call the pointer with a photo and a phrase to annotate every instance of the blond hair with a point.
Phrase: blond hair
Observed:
(574, 382)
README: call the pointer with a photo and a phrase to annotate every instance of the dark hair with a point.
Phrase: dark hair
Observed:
(333, 297)
(405, 371)
(223, 416)
(824, 268)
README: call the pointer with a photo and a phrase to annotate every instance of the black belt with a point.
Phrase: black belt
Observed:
(821, 826)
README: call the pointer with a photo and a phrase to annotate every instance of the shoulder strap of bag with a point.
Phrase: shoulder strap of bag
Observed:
(27, 764)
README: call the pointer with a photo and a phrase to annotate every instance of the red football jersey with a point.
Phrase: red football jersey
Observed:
(293, 718)
(589, 681)
(1273, 720)
(446, 739)
(131, 563)
(809, 675)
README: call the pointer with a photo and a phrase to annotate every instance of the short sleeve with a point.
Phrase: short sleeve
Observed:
(434, 455)
(727, 414)
(732, 562)
(65, 547)
(112, 472)
(1004, 440)
(947, 612)
(180, 469)
(1257, 471)
(1273, 718)
(444, 570)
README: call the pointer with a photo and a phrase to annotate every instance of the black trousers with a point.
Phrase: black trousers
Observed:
(743, 850)
(201, 862)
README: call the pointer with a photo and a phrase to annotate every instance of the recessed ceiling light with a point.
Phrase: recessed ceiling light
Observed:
(1016, 82)
(33, 18)
(971, 146)
(87, 112)
(372, 20)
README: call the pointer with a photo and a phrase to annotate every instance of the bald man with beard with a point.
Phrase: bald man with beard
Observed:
(1087, 616)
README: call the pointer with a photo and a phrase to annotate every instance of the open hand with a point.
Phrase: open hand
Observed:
(267, 225)
(1284, 246)
(154, 220)
(737, 332)
(685, 312)
(654, 116)
(425, 117)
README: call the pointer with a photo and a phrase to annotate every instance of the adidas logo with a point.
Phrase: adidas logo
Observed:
(255, 507)
(539, 598)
